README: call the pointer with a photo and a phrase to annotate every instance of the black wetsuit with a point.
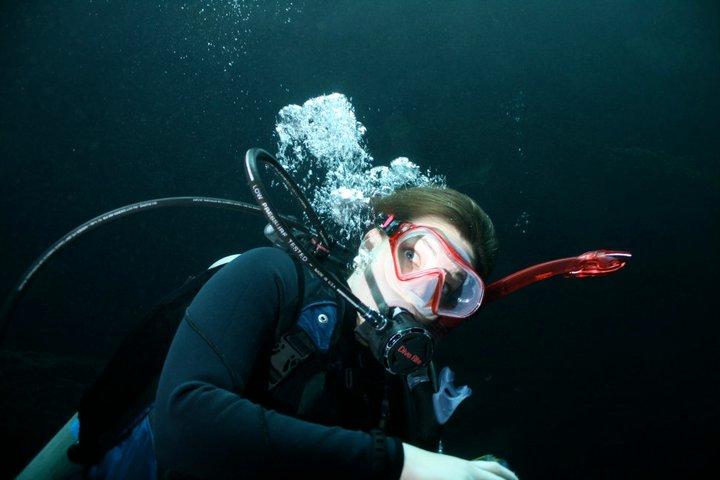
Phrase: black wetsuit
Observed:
(213, 415)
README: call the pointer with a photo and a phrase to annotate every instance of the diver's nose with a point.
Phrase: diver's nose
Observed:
(454, 273)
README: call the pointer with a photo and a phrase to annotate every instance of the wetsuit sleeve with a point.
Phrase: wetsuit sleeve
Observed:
(203, 425)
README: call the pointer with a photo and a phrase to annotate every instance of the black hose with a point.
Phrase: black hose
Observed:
(108, 217)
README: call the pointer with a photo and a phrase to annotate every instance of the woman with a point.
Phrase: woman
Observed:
(226, 408)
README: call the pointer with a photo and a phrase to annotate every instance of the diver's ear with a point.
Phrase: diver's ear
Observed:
(372, 239)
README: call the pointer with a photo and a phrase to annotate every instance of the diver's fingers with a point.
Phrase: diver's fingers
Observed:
(495, 468)
(480, 474)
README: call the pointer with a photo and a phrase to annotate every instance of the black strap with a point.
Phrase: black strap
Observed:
(421, 426)
(294, 346)
(375, 291)
(301, 287)
(380, 453)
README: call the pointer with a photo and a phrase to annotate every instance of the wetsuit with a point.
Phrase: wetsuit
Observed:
(214, 416)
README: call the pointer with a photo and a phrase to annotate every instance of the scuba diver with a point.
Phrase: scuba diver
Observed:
(214, 414)
(285, 363)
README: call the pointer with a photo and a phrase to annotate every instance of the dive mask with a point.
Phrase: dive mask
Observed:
(434, 274)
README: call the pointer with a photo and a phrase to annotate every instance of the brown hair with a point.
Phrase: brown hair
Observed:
(456, 208)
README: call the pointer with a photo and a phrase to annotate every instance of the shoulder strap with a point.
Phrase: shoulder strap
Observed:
(293, 346)
(287, 321)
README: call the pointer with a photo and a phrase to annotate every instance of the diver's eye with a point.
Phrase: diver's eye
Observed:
(409, 253)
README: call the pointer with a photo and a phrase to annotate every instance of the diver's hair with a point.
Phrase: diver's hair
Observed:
(456, 208)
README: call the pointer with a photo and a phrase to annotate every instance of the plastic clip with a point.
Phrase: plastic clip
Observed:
(448, 396)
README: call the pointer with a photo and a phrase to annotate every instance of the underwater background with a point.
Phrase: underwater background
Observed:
(576, 125)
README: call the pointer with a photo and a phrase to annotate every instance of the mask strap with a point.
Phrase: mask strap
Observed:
(375, 291)
(387, 223)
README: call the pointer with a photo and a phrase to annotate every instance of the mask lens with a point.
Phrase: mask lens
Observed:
(416, 252)
(423, 289)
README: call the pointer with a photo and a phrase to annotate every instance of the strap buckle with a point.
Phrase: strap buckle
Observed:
(288, 352)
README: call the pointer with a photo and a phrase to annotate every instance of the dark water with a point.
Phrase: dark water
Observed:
(577, 125)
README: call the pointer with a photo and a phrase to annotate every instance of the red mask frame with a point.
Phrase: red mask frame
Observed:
(475, 283)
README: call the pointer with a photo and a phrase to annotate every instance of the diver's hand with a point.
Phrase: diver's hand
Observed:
(424, 465)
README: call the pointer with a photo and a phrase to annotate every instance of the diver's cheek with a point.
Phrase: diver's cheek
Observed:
(425, 315)
(395, 295)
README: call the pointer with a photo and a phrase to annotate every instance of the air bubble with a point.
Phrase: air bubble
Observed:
(321, 144)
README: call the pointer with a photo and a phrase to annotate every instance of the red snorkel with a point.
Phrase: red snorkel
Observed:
(589, 264)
